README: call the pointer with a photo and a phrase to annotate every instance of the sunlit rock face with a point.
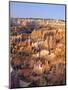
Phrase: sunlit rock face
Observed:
(43, 53)
(38, 69)
(37, 52)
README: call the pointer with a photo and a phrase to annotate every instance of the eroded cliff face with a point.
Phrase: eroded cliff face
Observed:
(37, 51)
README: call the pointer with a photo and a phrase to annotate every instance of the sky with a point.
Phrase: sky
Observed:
(35, 10)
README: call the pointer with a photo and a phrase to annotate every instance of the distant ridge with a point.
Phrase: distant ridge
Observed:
(38, 18)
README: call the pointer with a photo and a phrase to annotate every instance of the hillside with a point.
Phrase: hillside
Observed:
(37, 50)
